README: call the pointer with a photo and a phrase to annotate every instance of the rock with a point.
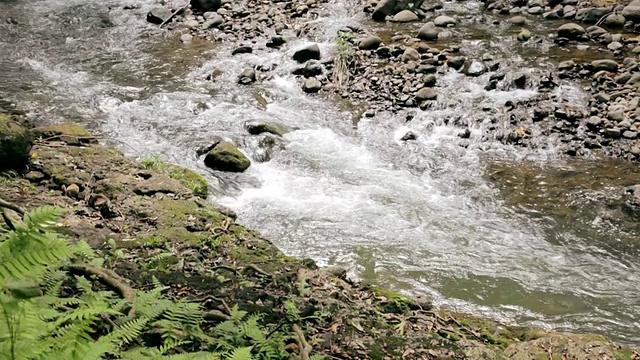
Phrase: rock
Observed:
(226, 157)
(444, 21)
(605, 64)
(410, 135)
(213, 22)
(158, 15)
(186, 38)
(206, 5)
(247, 76)
(312, 85)
(595, 31)
(613, 132)
(405, 16)
(15, 143)
(535, 10)
(518, 20)
(242, 50)
(615, 45)
(594, 123)
(429, 31)
(566, 65)
(632, 11)
(456, 62)
(276, 41)
(614, 21)
(602, 98)
(258, 127)
(465, 134)
(629, 134)
(592, 15)
(616, 115)
(571, 31)
(370, 43)
(520, 82)
(553, 14)
(475, 68)
(383, 8)
(524, 35)
(309, 52)
(311, 68)
(410, 54)
(426, 94)
(429, 80)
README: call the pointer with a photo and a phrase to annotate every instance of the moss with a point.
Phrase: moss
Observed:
(69, 129)
(189, 179)
(624, 354)
(15, 143)
(226, 157)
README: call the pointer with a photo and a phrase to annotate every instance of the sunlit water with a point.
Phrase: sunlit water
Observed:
(426, 216)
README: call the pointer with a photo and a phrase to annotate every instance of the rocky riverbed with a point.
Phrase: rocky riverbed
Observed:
(397, 63)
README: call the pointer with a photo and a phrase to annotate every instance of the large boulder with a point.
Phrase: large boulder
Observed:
(226, 157)
(571, 31)
(632, 11)
(309, 52)
(429, 31)
(206, 5)
(158, 15)
(15, 143)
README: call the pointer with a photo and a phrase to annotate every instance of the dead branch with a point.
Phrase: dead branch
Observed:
(12, 206)
(175, 13)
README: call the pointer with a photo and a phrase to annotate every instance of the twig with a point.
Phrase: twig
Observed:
(12, 206)
(175, 13)
(602, 18)
(305, 348)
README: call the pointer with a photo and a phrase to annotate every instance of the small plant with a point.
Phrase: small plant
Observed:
(154, 163)
(345, 58)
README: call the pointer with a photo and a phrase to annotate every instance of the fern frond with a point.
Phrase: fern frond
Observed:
(243, 353)
(42, 217)
(33, 264)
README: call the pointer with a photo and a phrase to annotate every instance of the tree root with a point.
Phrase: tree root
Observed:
(305, 348)
(11, 206)
(215, 315)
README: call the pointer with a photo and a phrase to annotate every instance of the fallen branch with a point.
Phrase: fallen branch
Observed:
(175, 13)
(215, 315)
(12, 206)
(109, 278)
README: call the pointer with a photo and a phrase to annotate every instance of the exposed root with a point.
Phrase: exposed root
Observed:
(109, 278)
(215, 315)
(305, 348)
(12, 206)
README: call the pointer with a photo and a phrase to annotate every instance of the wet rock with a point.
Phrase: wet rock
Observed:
(158, 15)
(632, 11)
(426, 94)
(571, 31)
(186, 38)
(370, 43)
(226, 157)
(258, 127)
(213, 22)
(518, 20)
(410, 54)
(444, 21)
(429, 31)
(566, 65)
(535, 10)
(276, 41)
(311, 68)
(520, 82)
(312, 85)
(206, 5)
(524, 35)
(613, 46)
(465, 134)
(309, 52)
(594, 123)
(592, 15)
(410, 135)
(267, 145)
(15, 143)
(429, 80)
(383, 9)
(405, 16)
(242, 50)
(475, 68)
(456, 62)
(604, 64)
(247, 76)
(613, 132)
(596, 31)
(614, 21)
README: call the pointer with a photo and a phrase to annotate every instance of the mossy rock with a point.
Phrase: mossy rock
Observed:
(15, 143)
(71, 133)
(257, 128)
(190, 179)
(226, 157)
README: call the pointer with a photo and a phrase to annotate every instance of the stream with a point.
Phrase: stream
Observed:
(520, 235)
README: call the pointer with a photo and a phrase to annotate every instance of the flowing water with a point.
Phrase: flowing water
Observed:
(515, 234)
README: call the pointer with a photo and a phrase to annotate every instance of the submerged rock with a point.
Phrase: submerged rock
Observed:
(257, 128)
(226, 157)
(247, 76)
(15, 143)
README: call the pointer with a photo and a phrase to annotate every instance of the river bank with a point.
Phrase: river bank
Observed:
(147, 220)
